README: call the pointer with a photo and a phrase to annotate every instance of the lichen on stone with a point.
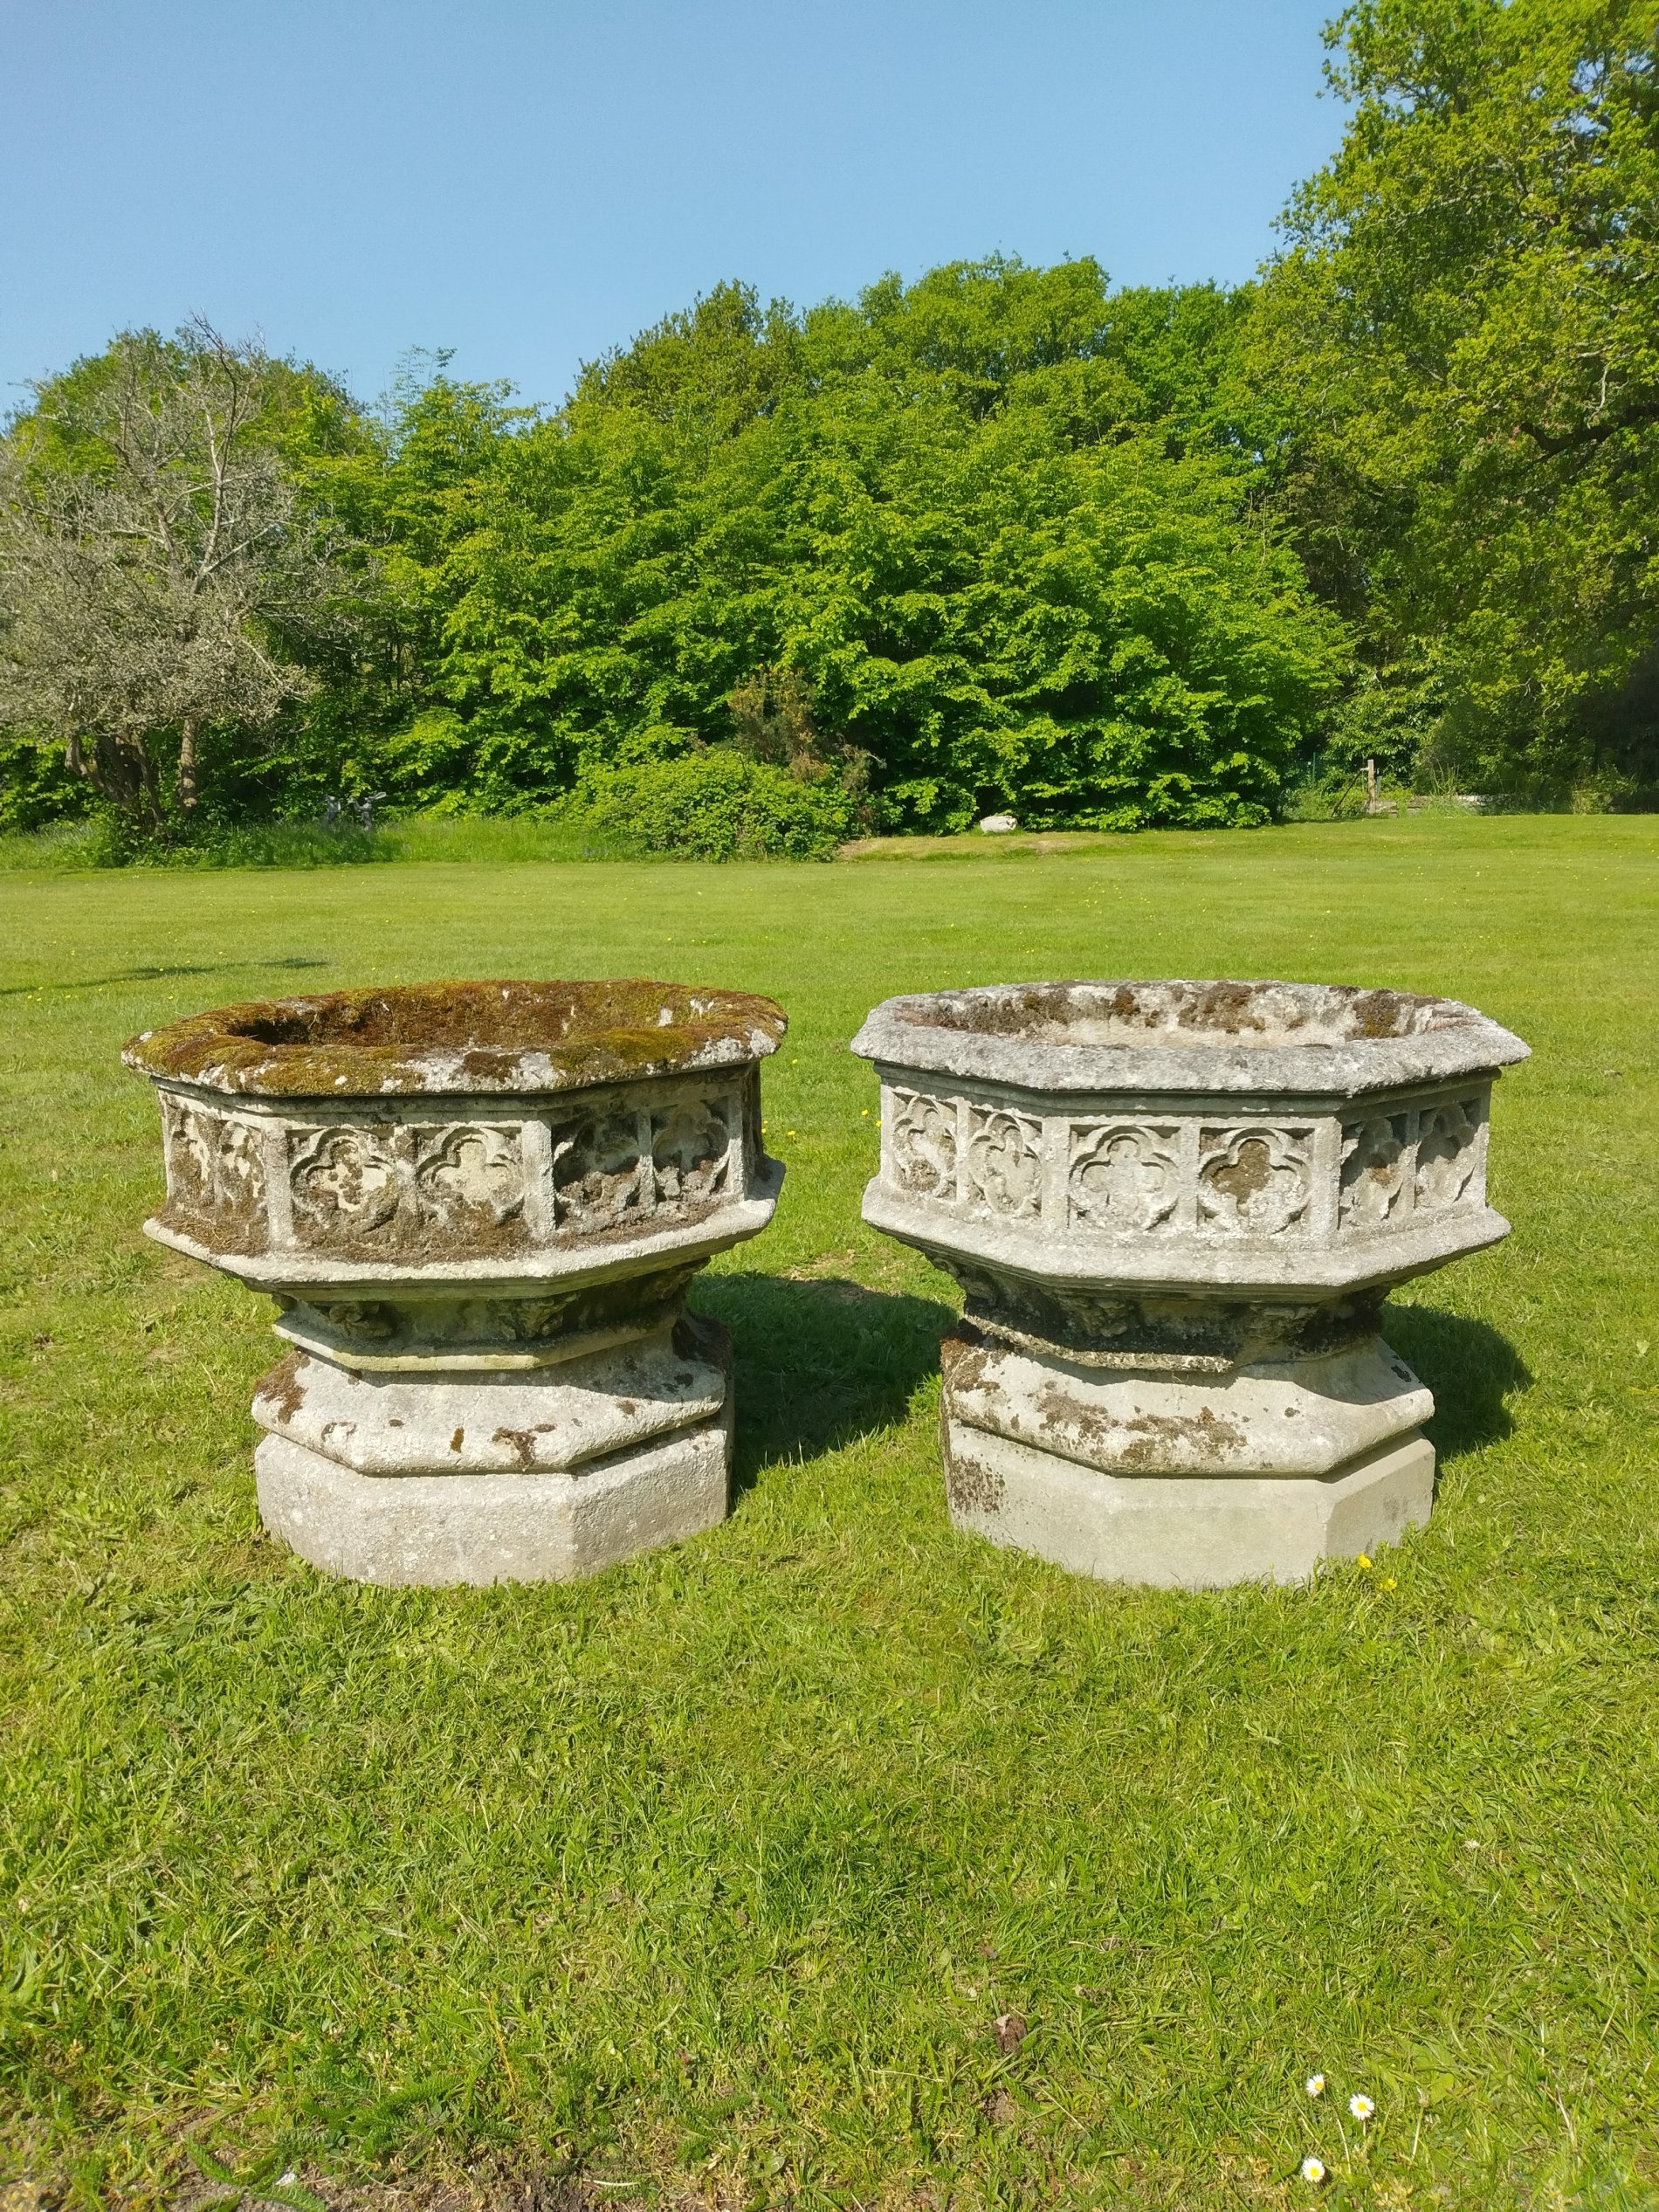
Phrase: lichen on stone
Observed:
(465, 1037)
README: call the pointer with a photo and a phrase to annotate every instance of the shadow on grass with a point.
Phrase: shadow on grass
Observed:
(155, 974)
(1470, 1368)
(819, 1361)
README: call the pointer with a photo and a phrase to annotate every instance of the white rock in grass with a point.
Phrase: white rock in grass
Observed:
(998, 825)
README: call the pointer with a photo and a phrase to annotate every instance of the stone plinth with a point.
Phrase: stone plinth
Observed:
(1174, 1210)
(478, 1207)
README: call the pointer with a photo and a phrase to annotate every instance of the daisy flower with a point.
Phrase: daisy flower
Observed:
(1313, 2169)
(1362, 2106)
(1315, 2084)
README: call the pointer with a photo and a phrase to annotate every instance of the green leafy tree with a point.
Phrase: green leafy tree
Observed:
(997, 581)
(1462, 341)
(161, 567)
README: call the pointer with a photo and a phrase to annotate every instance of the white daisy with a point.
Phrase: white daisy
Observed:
(1362, 2106)
(1313, 2169)
(1315, 2084)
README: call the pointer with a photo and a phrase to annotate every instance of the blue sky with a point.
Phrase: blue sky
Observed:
(531, 180)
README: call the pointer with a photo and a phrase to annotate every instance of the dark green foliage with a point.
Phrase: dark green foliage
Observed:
(36, 787)
(1463, 338)
(1008, 574)
(1017, 542)
(715, 804)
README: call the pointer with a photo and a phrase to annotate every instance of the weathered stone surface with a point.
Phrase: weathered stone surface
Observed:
(547, 1420)
(454, 1038)
(1305, 1416)
(439, 1529)
(1183, 1532)
(292, 1193)
(477, 1206)
(1174, 1210)
(1327, 1039)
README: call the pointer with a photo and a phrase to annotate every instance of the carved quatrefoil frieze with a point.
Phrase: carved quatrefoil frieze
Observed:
(1124, 1179)
(690, 1155)
(1004, 1164)
(456, 1188)
(1256, 1181)
(1410, 1163)
(1447, 1152)
(669, 1161)
(596, 1176)
(438, 1190)
(214, 1162)
(469, 1174)
(346, 1184)
(1376, 1171)
(921, 1138)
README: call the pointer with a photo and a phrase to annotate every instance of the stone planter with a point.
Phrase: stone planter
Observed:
(1174, 1210)
(478, 1207)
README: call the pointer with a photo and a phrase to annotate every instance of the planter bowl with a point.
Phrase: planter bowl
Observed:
(477, 1206)
(1174, 1210)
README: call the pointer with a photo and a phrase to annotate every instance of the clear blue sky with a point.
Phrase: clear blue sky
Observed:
(531, 180)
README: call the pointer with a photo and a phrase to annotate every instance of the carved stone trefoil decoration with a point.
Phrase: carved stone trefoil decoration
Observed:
(478, 1207)
(1175, 1208)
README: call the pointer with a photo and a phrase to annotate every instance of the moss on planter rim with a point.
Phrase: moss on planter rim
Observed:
(460, 1037)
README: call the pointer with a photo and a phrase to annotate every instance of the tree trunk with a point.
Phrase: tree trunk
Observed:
(187, 789)
(124, 773)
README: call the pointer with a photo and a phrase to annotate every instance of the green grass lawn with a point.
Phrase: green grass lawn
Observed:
(711, 1877)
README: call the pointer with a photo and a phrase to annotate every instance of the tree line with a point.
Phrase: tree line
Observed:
(1004, 538)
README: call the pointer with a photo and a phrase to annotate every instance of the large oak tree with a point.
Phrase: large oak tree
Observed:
(1462, 338)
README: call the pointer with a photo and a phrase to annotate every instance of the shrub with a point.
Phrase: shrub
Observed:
(716, 804)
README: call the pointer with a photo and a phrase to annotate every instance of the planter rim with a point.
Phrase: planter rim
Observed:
(478, 1038)
(1183, 1036)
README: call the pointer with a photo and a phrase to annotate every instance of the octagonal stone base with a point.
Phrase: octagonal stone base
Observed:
(1192, 1480)
(1283, 1417)
(1183, 1532)
(437, 1479)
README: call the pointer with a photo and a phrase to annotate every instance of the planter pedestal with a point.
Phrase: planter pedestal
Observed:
(1174, 1210)
(472, 1476)
(1141, 1479)
(478, 1207)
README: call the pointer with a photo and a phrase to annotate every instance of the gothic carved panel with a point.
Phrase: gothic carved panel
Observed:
(691, 1155)
(1256, 1181)
(1376, 1171)
(597, 1171)
(1447, 1152)
(346, 1184)
(468, 1175)
(921, 1138)
(1004, 1164)
(1124, 1178)
(214, 1162)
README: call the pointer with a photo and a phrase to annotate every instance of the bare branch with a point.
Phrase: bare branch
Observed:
(137, 590)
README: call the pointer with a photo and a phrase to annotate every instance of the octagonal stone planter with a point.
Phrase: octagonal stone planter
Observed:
(478, 1207)
(1174, 1210)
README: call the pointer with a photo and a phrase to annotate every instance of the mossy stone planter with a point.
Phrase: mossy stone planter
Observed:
(478, 1207)
(1174, 1209)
